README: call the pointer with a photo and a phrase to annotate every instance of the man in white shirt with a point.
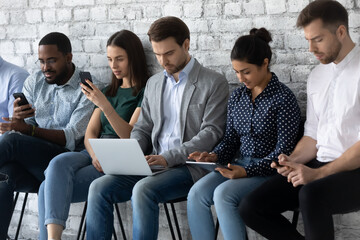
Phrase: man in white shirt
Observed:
(318, 176)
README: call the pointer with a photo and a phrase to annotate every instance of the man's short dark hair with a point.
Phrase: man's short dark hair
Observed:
(59, 39)
(169, 27)
(332, 14)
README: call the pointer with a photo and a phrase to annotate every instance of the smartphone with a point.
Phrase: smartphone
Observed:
(276, 161)
(85, 75)
(218, 165)
(23, 100)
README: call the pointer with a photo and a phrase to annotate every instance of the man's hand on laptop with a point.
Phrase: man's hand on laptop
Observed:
(96, 164)
(156, 160)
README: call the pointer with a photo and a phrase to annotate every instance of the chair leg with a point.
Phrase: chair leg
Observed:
(21, 216)
(169, 221)
(120, 221)
(84, 232)
(13, 209)
(15, 200)
(176, 221)
(81, 222)
(295, 217)
(114, 233)
(217, 228)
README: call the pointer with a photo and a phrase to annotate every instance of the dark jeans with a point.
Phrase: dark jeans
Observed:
(23, 160)
(318, 201)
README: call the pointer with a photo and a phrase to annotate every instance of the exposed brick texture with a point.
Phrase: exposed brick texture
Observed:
(214, 26)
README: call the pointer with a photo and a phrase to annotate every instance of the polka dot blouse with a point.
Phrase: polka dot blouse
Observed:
(264, 128)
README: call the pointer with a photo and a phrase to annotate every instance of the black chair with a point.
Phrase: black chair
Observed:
(172, 202)
(26, 194)
(25, 183)
(295, 217)
(82, 226)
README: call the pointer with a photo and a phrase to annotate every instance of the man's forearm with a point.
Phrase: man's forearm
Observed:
(348, 161)
(51, 135)
(305, 150)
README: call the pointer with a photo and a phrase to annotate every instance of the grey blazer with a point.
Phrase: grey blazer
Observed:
(202, 116)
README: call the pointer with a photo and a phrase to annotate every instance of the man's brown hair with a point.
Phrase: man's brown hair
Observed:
(332, 14)
(169, 27)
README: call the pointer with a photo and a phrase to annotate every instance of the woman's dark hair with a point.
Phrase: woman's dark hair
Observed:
(253, 48)
(138, 70)
(59, 39)
(169, 27)
(332, 14)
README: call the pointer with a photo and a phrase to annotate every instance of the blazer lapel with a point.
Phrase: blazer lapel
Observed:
(159, 118)
(188, 92)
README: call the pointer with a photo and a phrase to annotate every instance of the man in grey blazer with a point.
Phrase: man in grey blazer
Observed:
(183, 110)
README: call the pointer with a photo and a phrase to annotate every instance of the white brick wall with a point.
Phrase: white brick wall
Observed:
(214, 26)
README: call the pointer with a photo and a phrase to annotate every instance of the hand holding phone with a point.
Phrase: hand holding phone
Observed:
(218, 165)
(232, 171)
(276, 161)
(84, 76)
(23, 100)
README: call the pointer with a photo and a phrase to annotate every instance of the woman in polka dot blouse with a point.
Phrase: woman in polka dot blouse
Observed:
(262, 122)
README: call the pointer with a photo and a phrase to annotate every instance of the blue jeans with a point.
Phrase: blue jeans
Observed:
(67, 180)
(225, 194)
(23, 160)
(145, 193)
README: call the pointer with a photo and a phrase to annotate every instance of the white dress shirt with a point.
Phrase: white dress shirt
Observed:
(170, 134)
(333, 106)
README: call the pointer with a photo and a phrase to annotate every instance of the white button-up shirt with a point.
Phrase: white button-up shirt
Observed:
(333, 106)
(170, 134)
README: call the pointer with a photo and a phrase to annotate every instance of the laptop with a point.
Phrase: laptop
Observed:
(122, 157)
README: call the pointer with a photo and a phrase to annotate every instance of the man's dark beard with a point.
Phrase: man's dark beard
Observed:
(179, 67)
(58, 79)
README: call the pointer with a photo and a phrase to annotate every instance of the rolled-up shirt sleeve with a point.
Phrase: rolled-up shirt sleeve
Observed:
(75, 129)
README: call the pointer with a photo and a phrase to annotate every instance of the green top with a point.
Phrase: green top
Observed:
(124, 104)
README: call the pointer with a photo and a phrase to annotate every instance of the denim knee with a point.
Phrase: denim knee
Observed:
(4, 177)
(95, 189)
(6, 182)
(197, 194)
(54, 165)
(193, 194)
(141, 189)
(10, 136)
(218, 195)
(222, 197)
(63, 161)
